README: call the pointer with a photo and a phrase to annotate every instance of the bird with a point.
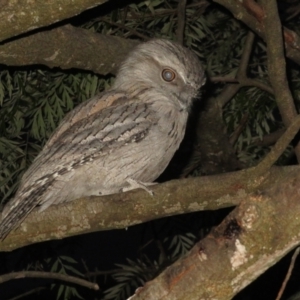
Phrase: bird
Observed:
(118, 140)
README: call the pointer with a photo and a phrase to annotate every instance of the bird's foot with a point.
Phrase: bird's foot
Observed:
(134, 184)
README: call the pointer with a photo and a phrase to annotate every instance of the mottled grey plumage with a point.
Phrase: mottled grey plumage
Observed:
(124, 136)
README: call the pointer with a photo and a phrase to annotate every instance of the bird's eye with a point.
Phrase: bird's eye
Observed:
(168, 75)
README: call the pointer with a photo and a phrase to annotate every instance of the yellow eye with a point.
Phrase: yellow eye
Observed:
(168, 75)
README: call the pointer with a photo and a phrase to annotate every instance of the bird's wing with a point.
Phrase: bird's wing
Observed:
(84, 110)
(91, 130)
(86, 140)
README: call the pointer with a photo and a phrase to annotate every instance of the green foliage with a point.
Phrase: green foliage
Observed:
(65, 265)
(32, 105)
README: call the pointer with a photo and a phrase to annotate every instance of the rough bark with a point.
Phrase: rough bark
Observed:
(17, 17)
(257, 234)
(126, 209)
(68, 47)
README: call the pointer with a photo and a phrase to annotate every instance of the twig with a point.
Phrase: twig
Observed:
(87, 271)
(33, 291)
(181, 21)
(277, 65)
(214, 104)
(268, 139)
(288, 274)
(293, 11)
(252, 14)
(223, 79)
(226, 96)
(256, 83)
(122, 26)
(233, 138)
(101, 273)
(241, 76)
(242, 70)
(243, 82)
(48, 275)
(162, 251)
(165, 12)
(88, 274)
(279, 147)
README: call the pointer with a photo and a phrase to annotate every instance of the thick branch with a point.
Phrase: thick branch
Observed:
(18, 17)
(232, 256)
(279, 147)
(277, 66)
(68, 47)
(276, 62)
(126, 209)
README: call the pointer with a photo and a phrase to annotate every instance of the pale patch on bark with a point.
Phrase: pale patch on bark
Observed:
(239, 256)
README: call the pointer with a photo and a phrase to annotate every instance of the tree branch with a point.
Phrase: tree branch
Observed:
(250, 13)
(20, 17)
(279, 147)
(268, 139)
(213, 150)
(241, 75)
(48, 275)
(289, 273)
(68, 47)
(30, 292)
(131, 31)
(126, 209)
(181, 21)
(229, 258)
(174, 197)
(277, 65)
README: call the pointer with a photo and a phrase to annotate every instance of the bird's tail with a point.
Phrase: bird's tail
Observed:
(17, 209)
